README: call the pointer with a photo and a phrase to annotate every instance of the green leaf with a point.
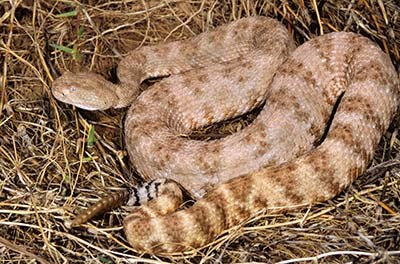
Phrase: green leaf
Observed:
(80, 31)
(91, 140)
(67, 14)
(66, 178)
(104, 260)
(75, 53)
(87, 159)
(63, 48)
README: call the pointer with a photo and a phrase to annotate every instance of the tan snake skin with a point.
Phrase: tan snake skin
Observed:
(276, 162)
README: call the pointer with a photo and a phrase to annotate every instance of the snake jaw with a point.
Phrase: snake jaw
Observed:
(85, 90)
(63, 97)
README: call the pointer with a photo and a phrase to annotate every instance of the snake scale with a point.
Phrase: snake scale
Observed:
(287, 157)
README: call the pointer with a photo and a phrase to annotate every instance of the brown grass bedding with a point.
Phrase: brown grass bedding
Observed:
(48, 171)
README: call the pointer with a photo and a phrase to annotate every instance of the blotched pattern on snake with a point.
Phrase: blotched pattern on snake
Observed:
(277, 162)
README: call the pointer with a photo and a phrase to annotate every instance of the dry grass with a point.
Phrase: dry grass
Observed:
(48, 173)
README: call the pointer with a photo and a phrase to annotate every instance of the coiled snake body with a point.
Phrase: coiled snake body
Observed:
(274, 163)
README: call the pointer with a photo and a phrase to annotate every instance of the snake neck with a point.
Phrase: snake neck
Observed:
(126, 93)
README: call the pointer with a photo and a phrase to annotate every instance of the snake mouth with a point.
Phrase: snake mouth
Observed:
(82, 105)
(60, 96)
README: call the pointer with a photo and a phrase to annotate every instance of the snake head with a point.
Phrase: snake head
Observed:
(85, 90)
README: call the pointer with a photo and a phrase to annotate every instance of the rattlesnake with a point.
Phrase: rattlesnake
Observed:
(275, 163)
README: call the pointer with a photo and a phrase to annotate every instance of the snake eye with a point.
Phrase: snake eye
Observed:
(72, 89)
